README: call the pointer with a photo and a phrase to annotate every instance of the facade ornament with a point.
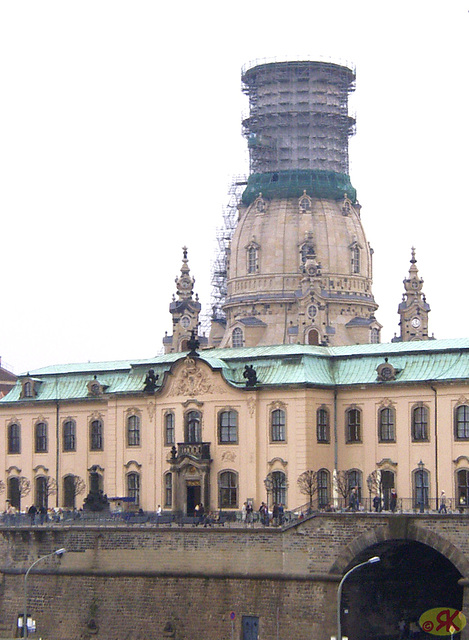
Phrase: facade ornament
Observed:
(151, 407)
(386, 372)
(191, 380)
(251, 405)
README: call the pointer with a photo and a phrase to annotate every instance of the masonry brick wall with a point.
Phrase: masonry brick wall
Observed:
(148, 583)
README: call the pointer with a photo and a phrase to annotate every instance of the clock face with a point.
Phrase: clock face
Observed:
(185, 321)
(416, 322)
(415, 284)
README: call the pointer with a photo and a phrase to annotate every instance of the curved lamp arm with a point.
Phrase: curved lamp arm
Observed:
(339, 590)
(58, 552)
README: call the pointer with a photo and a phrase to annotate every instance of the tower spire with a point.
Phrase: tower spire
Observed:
(414, 309)
(185, 309)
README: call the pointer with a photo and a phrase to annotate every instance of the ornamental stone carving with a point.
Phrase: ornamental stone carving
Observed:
(191, 380)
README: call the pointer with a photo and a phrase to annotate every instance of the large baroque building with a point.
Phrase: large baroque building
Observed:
(293, 377)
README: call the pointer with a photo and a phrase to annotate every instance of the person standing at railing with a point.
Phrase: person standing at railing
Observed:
(393, 500)
(442, 508)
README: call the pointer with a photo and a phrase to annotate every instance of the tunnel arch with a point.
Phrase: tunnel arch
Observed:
(388, 533)
(419, 570)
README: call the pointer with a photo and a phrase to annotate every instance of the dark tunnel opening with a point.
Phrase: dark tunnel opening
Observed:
(379, 599)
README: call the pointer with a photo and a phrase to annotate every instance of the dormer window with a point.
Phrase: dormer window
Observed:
(95, 388)
(260, 204)
(29, 389)
(252, 257)
(305, 203)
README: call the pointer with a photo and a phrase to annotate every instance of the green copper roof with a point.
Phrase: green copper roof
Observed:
(291, 184)
(292, 365)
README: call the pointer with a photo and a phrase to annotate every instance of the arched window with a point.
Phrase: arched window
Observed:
(354, 481)
(169, 437)
(228, 427)
(462, 481)
(420, 423)
(322, 424)
(279, 487)
(353, 425)
(41, 497)
(323, 488)
(228, 490)
(421, 485)
(96, 435)
(69, 435)
(133, 487)
(13, 492)
(374, 336)
(70, 491)
(40, 437)
(313, 337)
(193, 427)
(386, 422)
(133, 431)
(168, 490)
(305, 203)
(461, 426)
(277, 425)
(253, 259)
(14, 438)
(355, 259)
(237, 337)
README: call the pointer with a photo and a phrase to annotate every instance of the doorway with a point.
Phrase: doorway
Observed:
(193, 497)
(250, 628)
(387, 483)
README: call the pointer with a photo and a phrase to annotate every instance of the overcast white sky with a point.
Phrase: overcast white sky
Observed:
(120, 131)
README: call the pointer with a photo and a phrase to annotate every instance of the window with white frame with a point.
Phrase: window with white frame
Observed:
(278, 425)
(237, 337)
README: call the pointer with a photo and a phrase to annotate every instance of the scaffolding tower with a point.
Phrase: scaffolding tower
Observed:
(223, 241)
(298, 116)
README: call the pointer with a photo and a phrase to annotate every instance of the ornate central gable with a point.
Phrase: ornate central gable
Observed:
(192, 379)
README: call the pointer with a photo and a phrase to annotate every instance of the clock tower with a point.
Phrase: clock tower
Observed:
(185, 311)
(414, 309)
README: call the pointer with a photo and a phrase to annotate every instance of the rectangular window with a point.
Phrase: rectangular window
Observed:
(96, 435)
(169, 437)
(278, 425)
(322, 418)
(353, 425)
(168, 490)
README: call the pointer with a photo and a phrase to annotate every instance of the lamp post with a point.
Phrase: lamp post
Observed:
(421, 468)
(268, 482)
(58, 552)
(339, 590)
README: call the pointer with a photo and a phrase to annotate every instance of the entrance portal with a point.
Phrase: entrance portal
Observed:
(193, 497)
(387, 483)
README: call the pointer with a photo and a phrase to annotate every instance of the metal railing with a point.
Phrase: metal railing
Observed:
(231, 518)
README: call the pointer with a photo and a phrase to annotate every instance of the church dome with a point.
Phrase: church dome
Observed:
(298, 265)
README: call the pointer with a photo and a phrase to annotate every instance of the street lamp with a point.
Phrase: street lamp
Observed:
(269, 483)
(58, 552)
(421, 468)
(339, 590)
